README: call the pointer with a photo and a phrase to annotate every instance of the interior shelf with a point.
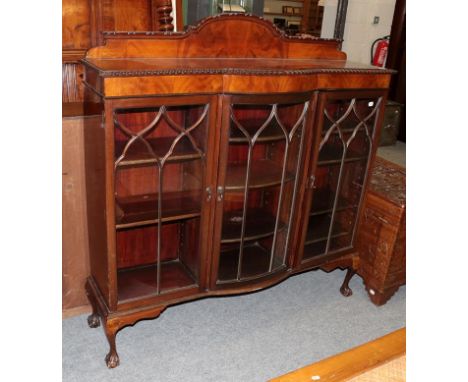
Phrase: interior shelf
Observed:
(263, 173)
(134, 211)
(318, 230)
(323, 199)
(271, 133)
(138, 153)
(259, 224)
(255, 262)
(314, 249)
(141, 281)
(333, 155)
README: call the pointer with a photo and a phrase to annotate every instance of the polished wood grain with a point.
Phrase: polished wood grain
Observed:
(264, 40)
(182, 84)
(76, 28)
(83, 22)
(356, 361)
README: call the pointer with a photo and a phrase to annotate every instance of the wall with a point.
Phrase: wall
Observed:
(360, 31)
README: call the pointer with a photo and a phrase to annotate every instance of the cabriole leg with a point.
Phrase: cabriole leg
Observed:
(345, 289)
(93, 318)
(112, 358)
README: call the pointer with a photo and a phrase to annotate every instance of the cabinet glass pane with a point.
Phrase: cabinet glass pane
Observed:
(265, 143)
(159, 177)
(345, 147)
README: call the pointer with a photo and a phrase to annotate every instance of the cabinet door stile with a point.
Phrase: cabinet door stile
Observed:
(372, 155)
(223, 131)
(207, 234)
(302, 203)
(110, 201)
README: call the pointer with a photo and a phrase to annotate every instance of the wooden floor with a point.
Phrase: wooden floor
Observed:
(382, 360)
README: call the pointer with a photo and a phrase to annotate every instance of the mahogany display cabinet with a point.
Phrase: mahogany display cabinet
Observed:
(220, 161)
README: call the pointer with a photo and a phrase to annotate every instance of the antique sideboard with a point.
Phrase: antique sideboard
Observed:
(221, 160)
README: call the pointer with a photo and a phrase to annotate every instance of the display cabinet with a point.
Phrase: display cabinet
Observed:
(219, 161)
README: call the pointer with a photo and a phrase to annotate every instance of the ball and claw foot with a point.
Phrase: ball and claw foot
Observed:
(93, 321)
(112, 360)
(346, 291)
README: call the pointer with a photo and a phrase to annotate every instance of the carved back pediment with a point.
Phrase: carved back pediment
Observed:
(225, 35)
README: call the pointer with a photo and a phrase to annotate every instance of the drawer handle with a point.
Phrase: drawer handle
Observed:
(208, 194)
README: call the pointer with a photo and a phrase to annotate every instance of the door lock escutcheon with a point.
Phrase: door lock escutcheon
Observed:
(208, 194)
(220, 193)
(312, 181)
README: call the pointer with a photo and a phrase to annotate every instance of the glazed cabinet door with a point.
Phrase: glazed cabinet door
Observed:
(162, 180)
(262, 141)
(345, 142)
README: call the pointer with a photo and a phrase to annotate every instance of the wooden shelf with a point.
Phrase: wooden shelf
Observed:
(330, 155)
(255, 263)
(138, 153)
(323, 199)
(314, 249)
(271, 133)
(135, 211)
(318, 229)
(139, 282)
(263, 173)
(259, 224)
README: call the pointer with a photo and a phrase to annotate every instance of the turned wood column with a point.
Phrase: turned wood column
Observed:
(162, 15)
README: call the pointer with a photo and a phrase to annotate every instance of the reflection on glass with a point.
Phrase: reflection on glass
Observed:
(159, 171)
(265, 143)
(348, 128)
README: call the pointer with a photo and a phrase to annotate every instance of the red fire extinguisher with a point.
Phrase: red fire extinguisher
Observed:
(379, 54)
